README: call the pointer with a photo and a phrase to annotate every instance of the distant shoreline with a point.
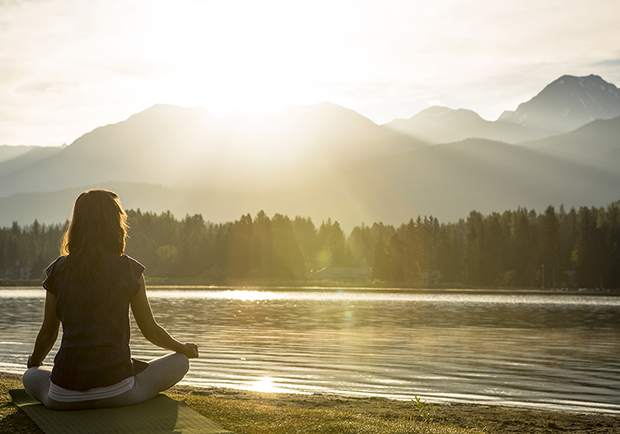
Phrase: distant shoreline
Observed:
(183, 284)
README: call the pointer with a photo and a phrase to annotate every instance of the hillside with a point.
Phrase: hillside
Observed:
(444, 125)
(9, 152)
(597, 142)
(15, 158)
(446, 181)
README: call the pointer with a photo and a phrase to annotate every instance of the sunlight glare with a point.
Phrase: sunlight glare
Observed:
(229, 55)
(324, 258)
(266, 384)
(245, 295)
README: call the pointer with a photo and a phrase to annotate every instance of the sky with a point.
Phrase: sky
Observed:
(69, 66)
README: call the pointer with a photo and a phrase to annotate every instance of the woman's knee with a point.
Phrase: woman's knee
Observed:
(176, 362)
(178, 365)
(168, 369)
(28, 379)
(183, 362)
(36, 382)
(160, 375)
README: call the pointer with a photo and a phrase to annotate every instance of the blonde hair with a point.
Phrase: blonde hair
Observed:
(98, 225)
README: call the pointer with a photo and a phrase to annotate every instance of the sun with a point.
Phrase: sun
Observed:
(240, 54)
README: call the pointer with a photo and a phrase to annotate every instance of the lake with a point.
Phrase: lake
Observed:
(550, 350)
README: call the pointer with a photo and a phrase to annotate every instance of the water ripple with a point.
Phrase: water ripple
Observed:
(544, 351)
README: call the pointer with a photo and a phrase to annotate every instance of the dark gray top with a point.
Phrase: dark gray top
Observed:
(94, 351)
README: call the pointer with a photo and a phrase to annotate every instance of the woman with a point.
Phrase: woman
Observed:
(89, 291)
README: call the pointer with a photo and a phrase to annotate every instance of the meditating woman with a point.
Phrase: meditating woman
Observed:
(89, 291)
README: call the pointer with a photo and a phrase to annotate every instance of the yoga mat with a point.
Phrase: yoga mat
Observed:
(161, 414)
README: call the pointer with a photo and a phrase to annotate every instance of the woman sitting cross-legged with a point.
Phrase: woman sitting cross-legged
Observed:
(90, 290)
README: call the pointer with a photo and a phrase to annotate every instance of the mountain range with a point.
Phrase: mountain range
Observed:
(564, 105)
(326, 161)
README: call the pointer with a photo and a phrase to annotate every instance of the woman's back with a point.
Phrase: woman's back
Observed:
(95, 318)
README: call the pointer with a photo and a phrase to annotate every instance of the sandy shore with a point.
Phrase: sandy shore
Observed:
(490, 419)
(496, 419)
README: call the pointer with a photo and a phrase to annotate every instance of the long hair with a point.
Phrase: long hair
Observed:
(98, 225)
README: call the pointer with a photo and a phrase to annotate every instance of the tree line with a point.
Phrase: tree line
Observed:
(517, 248)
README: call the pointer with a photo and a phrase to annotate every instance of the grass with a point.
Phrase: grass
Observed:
(245, 417)
(12, 419)
(251, 418)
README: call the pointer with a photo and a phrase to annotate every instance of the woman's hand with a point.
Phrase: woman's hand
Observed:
(32, 364)
(152, 331)
(191, 350)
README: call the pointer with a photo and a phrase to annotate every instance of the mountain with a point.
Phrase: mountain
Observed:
(13, 160)
(55, 206)
(446, 181)
(567, 104)
(191, 147)
(450, 180)
(134, 148)
(321, 161)
(564, 105)
(443, 125)
(9, 152)
(597, 142)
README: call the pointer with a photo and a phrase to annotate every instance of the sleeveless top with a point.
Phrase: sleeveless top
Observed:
(94, 351)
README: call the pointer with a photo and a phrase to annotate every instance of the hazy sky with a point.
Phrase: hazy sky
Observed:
(68, 66)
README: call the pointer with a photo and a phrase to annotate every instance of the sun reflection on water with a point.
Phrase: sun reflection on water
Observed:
(229, 294)
(266, 384)
(246, 295)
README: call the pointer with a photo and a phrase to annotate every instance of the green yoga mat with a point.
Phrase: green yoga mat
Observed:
(161, 414)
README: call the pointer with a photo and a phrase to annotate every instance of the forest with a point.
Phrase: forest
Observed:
(515, 249)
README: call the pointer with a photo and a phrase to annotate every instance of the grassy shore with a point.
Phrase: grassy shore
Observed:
(260, 413)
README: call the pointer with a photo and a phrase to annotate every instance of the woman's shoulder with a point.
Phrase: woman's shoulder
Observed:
(131, 261)
(52, 272)
(133, 273)
(56, 265)
(129, 265)
(119, 259)
(59, 260)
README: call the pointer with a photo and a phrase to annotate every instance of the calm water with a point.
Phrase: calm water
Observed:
(554, 351)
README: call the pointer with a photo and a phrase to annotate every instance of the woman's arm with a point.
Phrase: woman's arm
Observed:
(152, 331)
(47, 334)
